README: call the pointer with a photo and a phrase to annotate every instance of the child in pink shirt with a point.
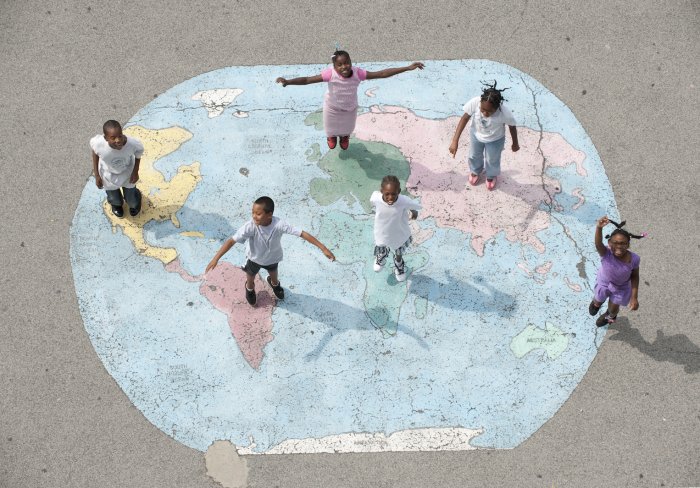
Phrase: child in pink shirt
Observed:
(340, 102)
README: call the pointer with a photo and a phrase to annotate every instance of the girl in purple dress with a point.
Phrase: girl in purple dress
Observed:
(340, 102)
(618, 277)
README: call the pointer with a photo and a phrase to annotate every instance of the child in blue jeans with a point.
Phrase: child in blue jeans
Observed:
(487, 134)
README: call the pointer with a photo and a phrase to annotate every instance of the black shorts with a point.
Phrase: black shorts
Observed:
(252, 268)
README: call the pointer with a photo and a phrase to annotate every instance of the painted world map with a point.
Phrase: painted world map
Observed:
(481, 345)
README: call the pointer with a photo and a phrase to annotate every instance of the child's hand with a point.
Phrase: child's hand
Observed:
(415, 65)
(414, 215)
(329, 254)
(212, 264)
(98, 182)
(515, 147)
(281, 81)
(453, 149)
(634, 304)
(134, 177)
(603, 221)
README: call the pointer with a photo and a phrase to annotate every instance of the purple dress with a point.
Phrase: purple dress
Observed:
(614, 279)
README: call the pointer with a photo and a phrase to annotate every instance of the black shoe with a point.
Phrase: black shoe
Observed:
(250, 296)
(604, 320)
(118, 211)
(278, 290)
(134, 211)
(593, 309)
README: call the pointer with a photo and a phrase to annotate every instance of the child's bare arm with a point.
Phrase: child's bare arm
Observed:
(224, 249)
(458, 132)
(95, 170)
(634, 303)
(303, 80)
(514, 136)
(309, 238)
(135, 173)
(414, 214)
(386, 73)
(599, 246)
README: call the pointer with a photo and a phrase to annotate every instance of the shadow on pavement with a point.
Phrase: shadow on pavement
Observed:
(354, 319)
(674, 348)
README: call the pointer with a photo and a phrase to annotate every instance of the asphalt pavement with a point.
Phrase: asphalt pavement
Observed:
(628, 70)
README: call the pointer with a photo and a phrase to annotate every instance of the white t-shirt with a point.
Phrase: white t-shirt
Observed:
(115, 165)
(488, 129)
(265, 242)
(391, 221)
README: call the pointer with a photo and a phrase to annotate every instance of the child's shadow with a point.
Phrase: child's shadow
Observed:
(460, 295)
(675, 348)
(213, 226)
(337, 316)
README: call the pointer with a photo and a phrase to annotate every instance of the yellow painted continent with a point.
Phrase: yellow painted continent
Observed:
(161, 199)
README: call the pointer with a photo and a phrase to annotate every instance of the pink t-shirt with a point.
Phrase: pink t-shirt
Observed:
(342, 92)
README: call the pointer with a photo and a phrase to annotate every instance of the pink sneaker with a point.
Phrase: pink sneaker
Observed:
(491, 183)
(473, 179)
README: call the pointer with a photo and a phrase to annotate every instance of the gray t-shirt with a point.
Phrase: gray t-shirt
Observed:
(265, 242)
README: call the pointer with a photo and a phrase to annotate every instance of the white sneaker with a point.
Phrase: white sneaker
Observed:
(377, 267)
(400, 271)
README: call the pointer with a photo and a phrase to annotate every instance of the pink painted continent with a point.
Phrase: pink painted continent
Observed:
(441, 181)
(224, 287)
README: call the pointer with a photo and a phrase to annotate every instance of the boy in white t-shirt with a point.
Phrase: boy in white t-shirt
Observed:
(115, 164)
(487, 134)
(264, 235)
(391, 230)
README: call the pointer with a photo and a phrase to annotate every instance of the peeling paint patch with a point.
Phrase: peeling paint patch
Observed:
(225, 466)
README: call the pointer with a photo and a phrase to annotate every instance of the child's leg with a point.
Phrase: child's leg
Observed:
(613, 309)
(399, 265)
(250, 281)
(274, 280)
(380, 255)
(493, 158)
(114, 197)
(132, 197)
(476, 154)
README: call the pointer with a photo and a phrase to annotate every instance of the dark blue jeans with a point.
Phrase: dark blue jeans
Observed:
(132, 196)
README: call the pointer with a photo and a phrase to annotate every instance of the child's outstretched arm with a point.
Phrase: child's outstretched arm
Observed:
(458, 132)
(303, 80)
(634, 303)
(95, 170)
(599, 246)
(514, 135)
(386, 73)
(309, 238)
(224, 249)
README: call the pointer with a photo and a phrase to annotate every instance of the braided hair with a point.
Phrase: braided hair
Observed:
(620, 230)
(391, 179)
(492, 94)
(340, 52)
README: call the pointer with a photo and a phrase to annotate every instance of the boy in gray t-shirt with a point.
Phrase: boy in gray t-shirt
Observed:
(264, 235)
